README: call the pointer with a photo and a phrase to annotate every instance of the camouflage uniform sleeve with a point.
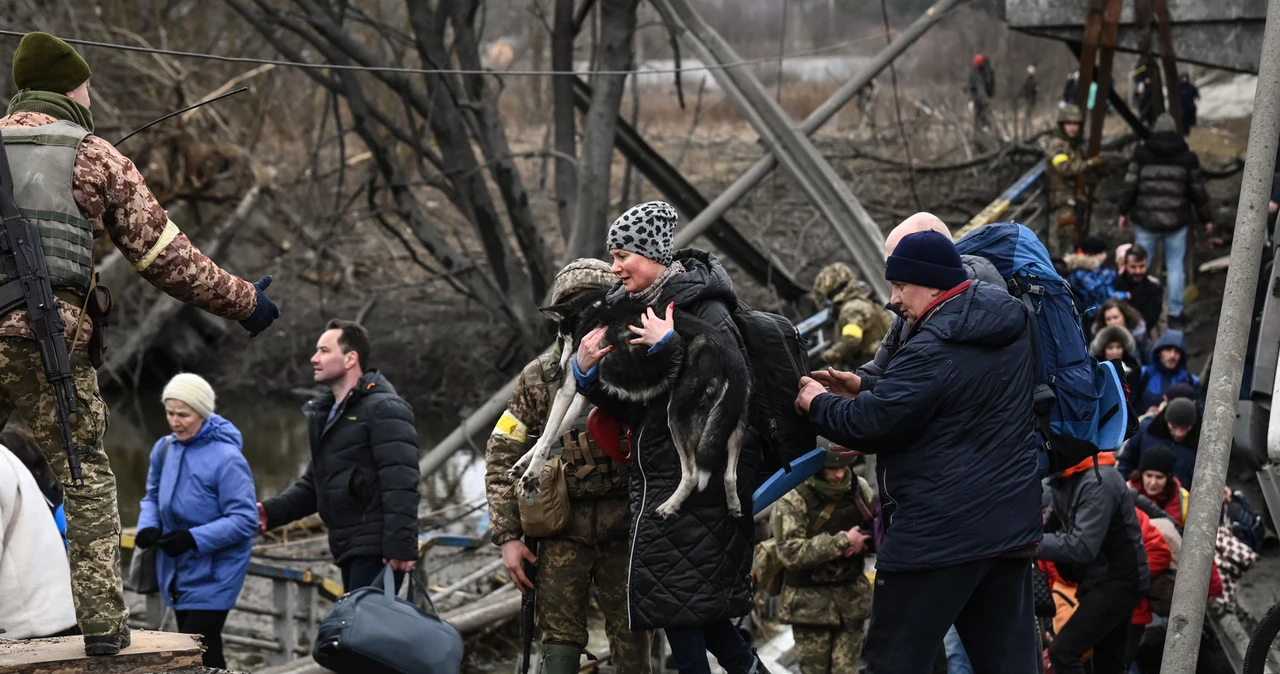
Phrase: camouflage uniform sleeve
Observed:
(514, 434)
(1075, 162)
(854, 317)
(113, 195)
(796, 549)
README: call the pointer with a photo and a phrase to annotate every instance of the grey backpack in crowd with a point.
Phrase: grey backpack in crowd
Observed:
(371, 631)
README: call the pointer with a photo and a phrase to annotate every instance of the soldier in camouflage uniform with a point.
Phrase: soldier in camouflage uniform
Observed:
(74, 187)
(823, 529)
(593, 546)
(860, 323)
(1064, 161)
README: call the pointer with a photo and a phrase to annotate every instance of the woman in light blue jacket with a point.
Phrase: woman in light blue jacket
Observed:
(200, 510)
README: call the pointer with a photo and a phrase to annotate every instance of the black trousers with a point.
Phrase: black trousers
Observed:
(359, 572)
(1101, 624)
(207, 624)
(989, 601)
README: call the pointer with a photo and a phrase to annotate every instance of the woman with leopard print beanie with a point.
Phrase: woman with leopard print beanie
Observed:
(689, 574)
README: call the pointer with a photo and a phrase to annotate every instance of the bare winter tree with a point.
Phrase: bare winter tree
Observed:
(393, 111)
(600, 125)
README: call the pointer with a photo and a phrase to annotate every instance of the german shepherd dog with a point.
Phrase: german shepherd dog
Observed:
(709, 388)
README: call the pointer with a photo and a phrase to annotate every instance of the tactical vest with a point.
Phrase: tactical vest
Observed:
(43, 160)
(846, 515)
(591, 474)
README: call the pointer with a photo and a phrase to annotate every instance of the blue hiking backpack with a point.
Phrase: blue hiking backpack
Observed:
(1246, 524)
(1070, 384)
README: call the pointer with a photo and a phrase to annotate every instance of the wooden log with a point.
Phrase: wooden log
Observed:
(150, 652)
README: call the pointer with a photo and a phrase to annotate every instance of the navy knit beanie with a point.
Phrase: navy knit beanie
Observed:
(926, 259)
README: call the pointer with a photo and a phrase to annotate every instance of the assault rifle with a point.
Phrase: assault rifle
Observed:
(527, 604)
(22, 255)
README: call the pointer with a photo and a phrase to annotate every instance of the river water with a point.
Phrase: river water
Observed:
(275, 444)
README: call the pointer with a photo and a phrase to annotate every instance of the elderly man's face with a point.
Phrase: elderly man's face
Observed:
(911, 300)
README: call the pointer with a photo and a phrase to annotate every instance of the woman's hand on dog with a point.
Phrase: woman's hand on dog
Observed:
(652, 328)
(514, 554)
(591, 349)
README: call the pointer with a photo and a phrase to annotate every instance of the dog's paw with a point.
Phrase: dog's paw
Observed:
(735, 510)
(514, 473)
(529, 485)
(667, 510)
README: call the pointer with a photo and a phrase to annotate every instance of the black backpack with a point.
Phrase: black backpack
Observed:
(778, 359)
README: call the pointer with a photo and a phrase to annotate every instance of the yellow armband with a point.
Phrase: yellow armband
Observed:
(851, 330)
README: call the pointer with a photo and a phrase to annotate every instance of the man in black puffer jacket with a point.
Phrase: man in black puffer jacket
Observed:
(1161, 190)
(950, 422)
(363, 475)
(689, 574)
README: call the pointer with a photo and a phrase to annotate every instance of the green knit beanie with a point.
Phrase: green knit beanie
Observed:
(45, 63)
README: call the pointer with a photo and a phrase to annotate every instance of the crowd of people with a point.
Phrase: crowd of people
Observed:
(936, 386)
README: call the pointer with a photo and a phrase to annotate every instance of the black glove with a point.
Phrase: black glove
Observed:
(146, 538)
(177, 542)
(264, 313)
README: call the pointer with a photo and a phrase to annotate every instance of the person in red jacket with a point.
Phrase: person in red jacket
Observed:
(1159, 559)
(1154, 479)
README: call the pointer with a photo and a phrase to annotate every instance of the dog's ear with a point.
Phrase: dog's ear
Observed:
(556, 312)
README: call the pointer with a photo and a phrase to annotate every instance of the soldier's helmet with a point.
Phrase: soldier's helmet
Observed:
(1070, 114)
(832, 279)
(580, 276)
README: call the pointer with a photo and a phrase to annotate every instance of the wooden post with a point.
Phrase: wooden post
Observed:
(284, 595)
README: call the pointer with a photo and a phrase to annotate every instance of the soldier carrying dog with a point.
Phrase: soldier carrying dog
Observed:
(74, 186)
(582, 532)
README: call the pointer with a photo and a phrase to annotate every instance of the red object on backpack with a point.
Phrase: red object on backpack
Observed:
(607, 432)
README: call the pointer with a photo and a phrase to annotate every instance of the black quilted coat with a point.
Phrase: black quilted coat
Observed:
(363, 475)
(695, 568)
(1163, 186)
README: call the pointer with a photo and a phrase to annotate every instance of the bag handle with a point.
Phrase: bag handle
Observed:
(416, 581)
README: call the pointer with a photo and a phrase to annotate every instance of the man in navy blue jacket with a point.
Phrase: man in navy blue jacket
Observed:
(950, 421)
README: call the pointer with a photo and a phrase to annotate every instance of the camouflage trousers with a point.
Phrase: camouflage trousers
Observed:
(828, 650)
(1059, 239)
(566, 572)
(93, 517)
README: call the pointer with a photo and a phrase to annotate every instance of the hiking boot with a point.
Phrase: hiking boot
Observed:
(106, 644)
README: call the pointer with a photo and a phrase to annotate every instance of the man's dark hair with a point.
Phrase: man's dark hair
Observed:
(1136, 252)
(353, 338)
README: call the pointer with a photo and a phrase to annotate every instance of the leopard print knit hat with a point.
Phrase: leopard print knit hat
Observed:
(646, 229)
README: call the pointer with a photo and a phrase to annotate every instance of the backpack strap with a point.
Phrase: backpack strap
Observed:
(1042, 395)
(822, 518)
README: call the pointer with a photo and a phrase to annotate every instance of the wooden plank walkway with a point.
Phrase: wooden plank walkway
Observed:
(150, 653)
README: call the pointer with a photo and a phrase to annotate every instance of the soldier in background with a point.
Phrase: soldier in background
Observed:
(860, 323)
(74, 187)
(823, 530)
(1064, 161)
(591, 549)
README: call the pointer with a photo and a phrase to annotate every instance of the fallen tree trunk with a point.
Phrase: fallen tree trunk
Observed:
(164, 308)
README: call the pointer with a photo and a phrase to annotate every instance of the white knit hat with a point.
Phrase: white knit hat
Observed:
(193, 390)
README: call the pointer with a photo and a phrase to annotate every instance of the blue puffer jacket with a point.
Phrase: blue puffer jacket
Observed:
(1154, 432)
(203, 485)
(951, 423)
(1158, 379)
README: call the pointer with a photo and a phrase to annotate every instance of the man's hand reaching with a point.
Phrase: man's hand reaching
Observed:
(841, 383)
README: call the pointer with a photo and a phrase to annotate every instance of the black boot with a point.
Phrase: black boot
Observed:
(106, 644)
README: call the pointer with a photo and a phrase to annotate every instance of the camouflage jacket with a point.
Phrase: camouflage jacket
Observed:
(600, 509)
(113, 196)
(1062, 178)
(821, 586)
(860, 325)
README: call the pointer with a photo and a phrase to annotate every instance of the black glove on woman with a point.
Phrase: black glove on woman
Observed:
(146, 538)
(177, 542)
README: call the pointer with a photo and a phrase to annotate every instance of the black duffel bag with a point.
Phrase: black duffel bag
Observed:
(371, 631)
